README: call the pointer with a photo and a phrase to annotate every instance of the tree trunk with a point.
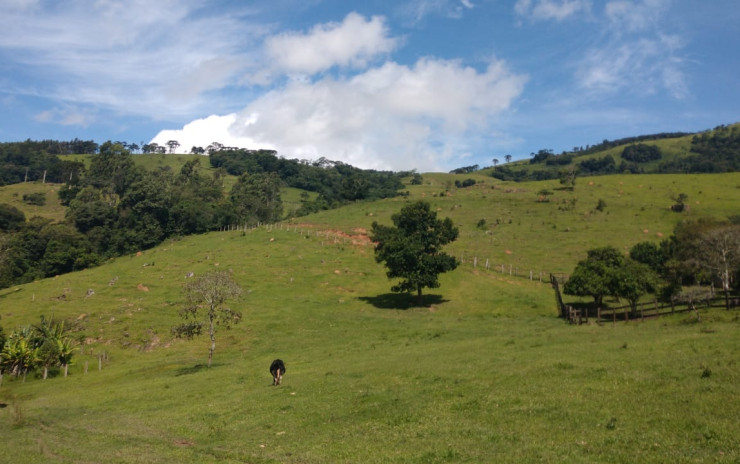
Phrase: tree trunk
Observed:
(66, 369)
(212, 333)
(727, 299)
(419, 296)
(46, 372)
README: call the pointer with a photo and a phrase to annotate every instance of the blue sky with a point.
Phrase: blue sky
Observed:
(411, 84)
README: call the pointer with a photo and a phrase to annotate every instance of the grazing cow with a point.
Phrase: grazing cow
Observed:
(277, 369)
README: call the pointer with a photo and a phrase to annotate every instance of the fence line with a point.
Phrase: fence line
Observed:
(465, 257)
(648, 309)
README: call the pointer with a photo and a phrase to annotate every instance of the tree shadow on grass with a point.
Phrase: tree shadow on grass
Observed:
(194, 369)
(402, 301)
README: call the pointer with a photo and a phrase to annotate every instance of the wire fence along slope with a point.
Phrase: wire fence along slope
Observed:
(571, 313)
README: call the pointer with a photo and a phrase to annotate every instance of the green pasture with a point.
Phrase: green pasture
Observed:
(671, 149)
(484, 372)
(550, 237)
(13, 195)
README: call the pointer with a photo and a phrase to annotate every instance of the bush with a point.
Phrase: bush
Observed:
(465, 183)
(11, 218)
(37, 199)
(641, 153)
(600, 205)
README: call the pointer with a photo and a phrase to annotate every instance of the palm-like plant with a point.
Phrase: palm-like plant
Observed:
(19, 355)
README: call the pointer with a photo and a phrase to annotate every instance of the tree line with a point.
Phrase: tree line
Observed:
(117, 208)
(699, 252)
(336, 183)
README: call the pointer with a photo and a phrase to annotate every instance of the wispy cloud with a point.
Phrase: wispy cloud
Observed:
(635, 57)
(631, 16)
(558, 10)
(415, 11)
(135, 57)
(67, 116)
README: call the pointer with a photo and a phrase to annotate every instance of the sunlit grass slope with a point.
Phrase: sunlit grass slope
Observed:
(553, 236)
(485, 372)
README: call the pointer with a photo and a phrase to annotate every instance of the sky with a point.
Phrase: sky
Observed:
(430, 85)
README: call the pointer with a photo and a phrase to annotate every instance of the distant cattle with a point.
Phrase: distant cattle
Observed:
(277, 369)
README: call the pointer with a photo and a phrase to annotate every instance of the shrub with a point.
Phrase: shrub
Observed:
(38, 198)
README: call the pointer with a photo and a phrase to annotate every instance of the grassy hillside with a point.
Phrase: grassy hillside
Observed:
(552, 236)
(13, 195)
(484, 373)
(672, 149)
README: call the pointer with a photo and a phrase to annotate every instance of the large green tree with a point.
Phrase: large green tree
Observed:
(412, 250)
(594, 275)
(631, 280)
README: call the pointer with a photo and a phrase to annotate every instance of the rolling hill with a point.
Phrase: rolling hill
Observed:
(485, 372)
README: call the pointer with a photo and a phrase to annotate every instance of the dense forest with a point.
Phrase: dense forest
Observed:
(117, 208)
(335, 182)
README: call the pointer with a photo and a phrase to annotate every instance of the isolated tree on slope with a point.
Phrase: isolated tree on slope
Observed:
(412, 250)
(207, 296)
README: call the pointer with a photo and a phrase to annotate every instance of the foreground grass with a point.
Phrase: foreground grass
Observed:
(484, 373)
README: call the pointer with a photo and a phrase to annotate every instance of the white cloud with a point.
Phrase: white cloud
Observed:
(354, 42)
(202, 132)
(389, 117)
(551, 9)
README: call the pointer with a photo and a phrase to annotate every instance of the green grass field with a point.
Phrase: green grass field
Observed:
(484, 372)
